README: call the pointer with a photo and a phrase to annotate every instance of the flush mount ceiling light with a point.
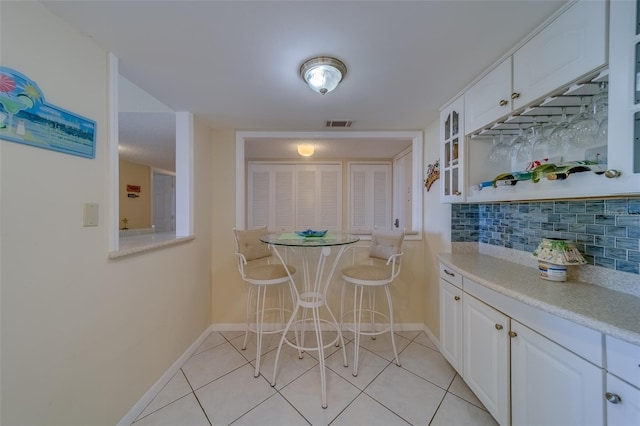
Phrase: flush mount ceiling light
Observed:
(323, 73)
(306, 149)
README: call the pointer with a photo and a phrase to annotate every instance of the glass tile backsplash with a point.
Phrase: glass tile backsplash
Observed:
(606, 231)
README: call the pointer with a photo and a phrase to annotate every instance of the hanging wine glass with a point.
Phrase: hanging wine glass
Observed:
(600, 103)
(516, 144)
(524, 151)
(541, 147)
(584, 126)
(601, 113)
(559, 134)
(500, 151)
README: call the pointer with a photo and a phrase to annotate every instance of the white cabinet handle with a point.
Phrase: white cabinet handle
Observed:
(456, 298)
(499, 327)
(613, 398)
(449, 273)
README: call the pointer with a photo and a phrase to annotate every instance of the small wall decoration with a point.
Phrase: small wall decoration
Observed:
(433, 174)
(25, 117)
(133, 188)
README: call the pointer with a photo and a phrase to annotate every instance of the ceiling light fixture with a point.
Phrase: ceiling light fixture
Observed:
(306, 149)
(323, 73)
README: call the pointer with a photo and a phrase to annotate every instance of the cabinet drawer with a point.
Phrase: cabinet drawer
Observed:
(623, 360)
(448, 274)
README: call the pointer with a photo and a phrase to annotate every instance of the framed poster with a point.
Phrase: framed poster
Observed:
(25, 117)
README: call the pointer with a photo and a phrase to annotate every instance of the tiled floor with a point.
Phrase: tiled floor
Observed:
(216, 387)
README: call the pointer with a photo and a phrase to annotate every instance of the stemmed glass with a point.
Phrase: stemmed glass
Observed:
(517, 144)
(500, 150)
(583, 126)
(600, 113)
(541, 146)
(560, 133)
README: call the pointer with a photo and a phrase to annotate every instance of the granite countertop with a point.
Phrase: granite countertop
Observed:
(608, 311)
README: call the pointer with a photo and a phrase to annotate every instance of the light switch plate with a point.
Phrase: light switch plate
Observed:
(90, 214)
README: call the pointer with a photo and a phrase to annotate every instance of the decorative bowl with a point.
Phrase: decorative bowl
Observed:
(311, 233)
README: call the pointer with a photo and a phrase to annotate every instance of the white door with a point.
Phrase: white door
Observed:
(486, 356)
(164, 202)
(403, 191)
(551, 385)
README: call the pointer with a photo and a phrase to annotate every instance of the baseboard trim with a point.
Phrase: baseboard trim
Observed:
(433, 338)
(139, 406)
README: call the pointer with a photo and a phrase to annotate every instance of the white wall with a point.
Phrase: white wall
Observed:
(83, 337)
(437, 231)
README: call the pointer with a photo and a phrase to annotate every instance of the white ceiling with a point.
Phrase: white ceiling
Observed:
(235, 64)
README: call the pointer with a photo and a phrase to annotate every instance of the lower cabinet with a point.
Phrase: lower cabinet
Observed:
(551, 385)
(623, 402)
(486, 356)
(451, 324)
(528, 367)
(622, 391)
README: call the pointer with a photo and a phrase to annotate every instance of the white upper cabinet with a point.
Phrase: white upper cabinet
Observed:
(569, 48)
(591, 44)
(572, 46)
(488, 99)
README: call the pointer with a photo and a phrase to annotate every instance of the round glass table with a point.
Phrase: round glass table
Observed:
(311, 297)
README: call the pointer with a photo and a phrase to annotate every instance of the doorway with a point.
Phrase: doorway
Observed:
(164, 202)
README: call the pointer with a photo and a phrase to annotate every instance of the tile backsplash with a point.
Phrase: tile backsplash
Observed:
(606, 231)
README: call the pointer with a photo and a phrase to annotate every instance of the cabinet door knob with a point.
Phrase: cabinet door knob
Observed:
(613, 398)
(499, 327)
(512, 334)
(515, 95)
(457, 193)
(449, 273)
(503, 102)
(456, 298)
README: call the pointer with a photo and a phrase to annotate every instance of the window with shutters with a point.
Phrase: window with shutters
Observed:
(370, 196)
(294, 196)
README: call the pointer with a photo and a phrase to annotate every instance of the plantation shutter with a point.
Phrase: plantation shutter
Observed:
(370, 197)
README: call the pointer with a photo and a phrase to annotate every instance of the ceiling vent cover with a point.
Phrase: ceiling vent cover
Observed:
(338, 123)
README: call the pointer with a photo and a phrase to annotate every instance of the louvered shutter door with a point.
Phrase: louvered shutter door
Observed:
(284, 199)
(259, 197)
(306, 198)
(358, 200)
(381, 200)
(330, 197)
(370, 196)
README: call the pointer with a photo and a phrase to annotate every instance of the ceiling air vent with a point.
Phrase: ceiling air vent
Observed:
(338, 123)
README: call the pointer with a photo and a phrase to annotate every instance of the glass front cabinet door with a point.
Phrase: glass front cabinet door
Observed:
(452, 152)
(624, 98)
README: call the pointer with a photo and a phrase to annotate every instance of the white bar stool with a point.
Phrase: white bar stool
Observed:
(261, 272)
(381, 268)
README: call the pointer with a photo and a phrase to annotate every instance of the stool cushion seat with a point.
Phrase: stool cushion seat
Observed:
(367, 272)
(267, 272)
